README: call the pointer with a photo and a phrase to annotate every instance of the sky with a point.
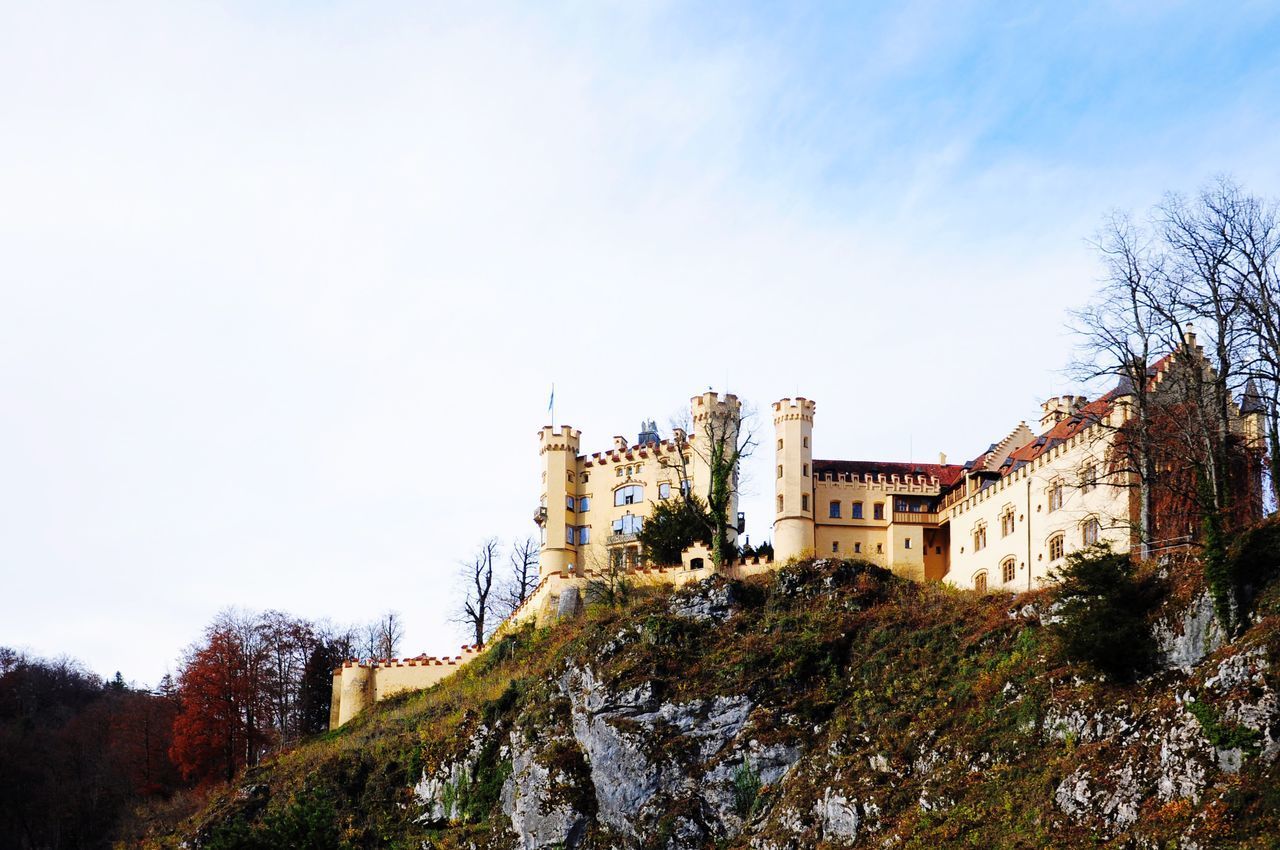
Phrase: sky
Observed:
(284, 287)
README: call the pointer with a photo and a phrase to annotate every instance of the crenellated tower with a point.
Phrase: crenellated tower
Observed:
(793, 526)
(559, 451)
(715, 419)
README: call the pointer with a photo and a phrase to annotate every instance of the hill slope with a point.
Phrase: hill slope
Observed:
(829, 705)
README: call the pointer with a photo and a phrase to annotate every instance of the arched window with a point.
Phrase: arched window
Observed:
(1007, 567)
(632, 494)
(1055, 495)
(980, 581)
(1091, 531)
(1056, 546)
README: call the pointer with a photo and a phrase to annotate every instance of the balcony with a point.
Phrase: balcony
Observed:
(616, 539)
(915, 517)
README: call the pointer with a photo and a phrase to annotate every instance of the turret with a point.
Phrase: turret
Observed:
(559, 451)
(793, 446)
(1059, 408)
(357, 690)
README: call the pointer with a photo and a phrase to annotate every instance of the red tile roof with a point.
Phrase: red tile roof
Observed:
(946, 473)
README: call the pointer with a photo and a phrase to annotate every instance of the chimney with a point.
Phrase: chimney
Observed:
(942, 458)
(620, 444)
(1189, 336)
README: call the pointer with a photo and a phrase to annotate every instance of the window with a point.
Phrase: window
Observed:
(1006, 570)
(879, 548)
(856, 511)
(1055, 547)
(584, 504)
(980, 581)
(1088, 477)
(1006, 522)
(906, 543)
(779, 503)
(805, 442)
(835, 510)
(570, 503)
(804, 470)
(979, 537)
(937, 550)
(835, 547)
(569, 534)
(779, 444)
(857, 548)
(804, 503)
(1092, 531)
(686, 487)
(779, 470)
(632, 494)
(1055, 495)
(695, 563)
(877, 510)
(586, 476)
(618, 472)
(584, 535)
(664, 491)
(628, 524)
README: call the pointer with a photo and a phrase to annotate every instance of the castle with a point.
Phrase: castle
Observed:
(1004, 520)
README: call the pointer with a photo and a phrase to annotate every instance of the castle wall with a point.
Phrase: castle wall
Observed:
(358, 685)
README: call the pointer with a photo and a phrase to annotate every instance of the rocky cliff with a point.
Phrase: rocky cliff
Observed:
(829, 705)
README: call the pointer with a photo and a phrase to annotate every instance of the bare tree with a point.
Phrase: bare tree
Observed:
(1251, 227)
(478, 599)
(390, 631)
(1202, 282)
(522, 575)
(1120, 335)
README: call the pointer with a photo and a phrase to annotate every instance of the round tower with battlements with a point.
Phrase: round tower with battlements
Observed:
(556, 516)
(793, 528)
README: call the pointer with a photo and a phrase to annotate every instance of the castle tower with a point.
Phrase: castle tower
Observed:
(715, 419)
(793, 522)
(559, 451)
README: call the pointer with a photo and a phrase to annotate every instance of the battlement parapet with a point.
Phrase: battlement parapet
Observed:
(564, 439)
(710, 403)
(797, 408)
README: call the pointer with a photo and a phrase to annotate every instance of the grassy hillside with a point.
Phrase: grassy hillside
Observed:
(827, 705)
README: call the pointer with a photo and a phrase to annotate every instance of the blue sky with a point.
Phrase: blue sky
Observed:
(283, 288)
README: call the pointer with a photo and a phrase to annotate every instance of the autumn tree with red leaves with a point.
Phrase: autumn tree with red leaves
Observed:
(223, 724)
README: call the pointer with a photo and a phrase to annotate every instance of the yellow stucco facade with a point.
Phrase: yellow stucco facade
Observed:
(592, 506)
